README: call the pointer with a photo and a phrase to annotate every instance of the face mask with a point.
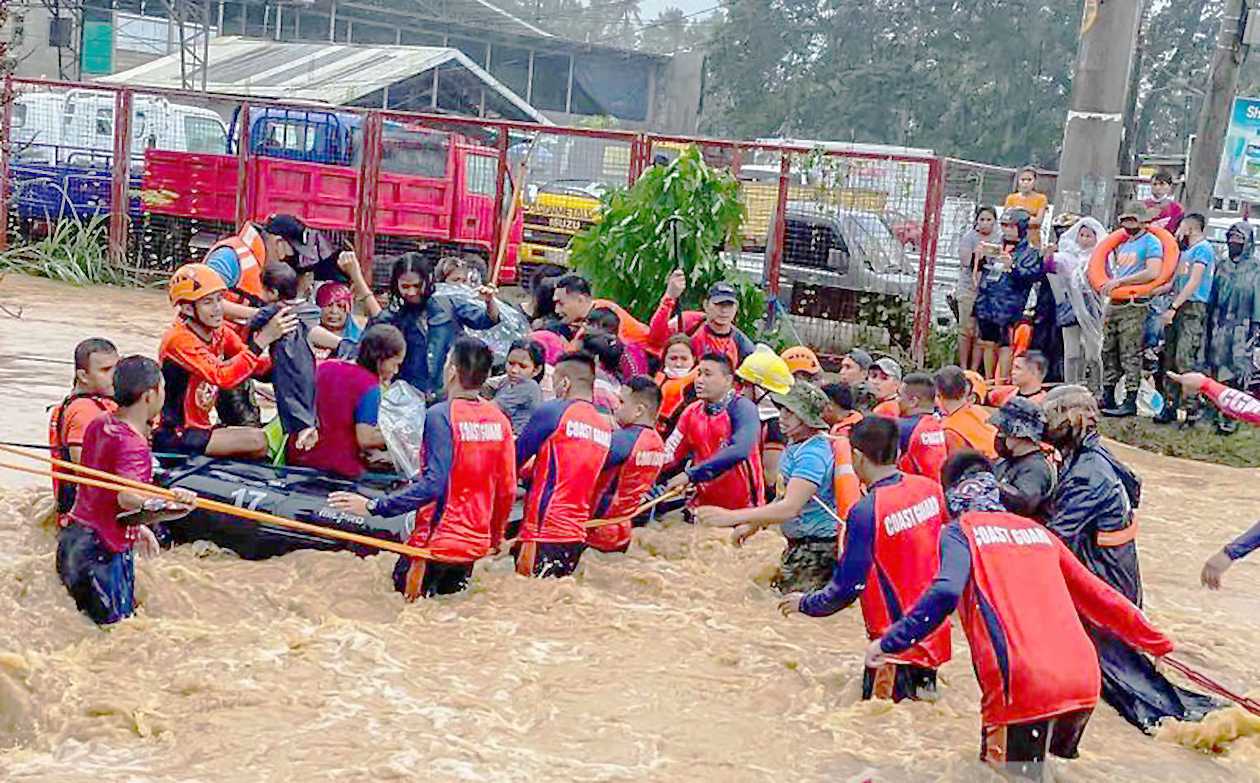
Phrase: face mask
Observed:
(1236, 249)
(1133, 230)
(1183, 243)
(674, 373)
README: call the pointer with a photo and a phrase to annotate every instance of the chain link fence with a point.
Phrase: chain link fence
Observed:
(844, 237)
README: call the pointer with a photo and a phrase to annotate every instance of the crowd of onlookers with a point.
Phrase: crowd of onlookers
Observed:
(1021, 287)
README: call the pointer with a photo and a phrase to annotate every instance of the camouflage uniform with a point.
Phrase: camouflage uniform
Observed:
(1185, 338)
(1122, 345)
(1182, 354)
(806, 565)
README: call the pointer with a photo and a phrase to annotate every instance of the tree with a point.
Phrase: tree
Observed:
(984, 79)
(628, 255)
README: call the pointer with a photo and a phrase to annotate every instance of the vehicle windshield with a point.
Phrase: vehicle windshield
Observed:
(574, 187)
(870, 233)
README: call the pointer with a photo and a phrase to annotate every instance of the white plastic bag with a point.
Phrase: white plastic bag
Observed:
(401, 420)
(512, 325)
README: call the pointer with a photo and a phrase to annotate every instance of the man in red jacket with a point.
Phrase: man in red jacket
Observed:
(466, 485)
(719, 434)
(634, 462)
(712, 331)
(923, 449)
(568, 440)
(1020, 595)
(888, 560)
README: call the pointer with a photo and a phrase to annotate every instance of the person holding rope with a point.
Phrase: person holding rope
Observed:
(888, 561)
(719, 434)
(94, 551)
(805, 506)
(634, 462)
(466, 486)
(1021, 596)
(1095, 507)
(567, 440)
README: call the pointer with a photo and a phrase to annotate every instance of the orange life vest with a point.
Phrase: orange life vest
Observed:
(969, 427)
(675, 394)
(251, 254)
(845, 484)
(632, 330)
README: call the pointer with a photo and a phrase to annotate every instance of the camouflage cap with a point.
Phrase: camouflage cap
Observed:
(1020, 418)
(806, 401)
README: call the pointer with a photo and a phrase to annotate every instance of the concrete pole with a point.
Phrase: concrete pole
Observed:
(1095, 123)
(1209, 142)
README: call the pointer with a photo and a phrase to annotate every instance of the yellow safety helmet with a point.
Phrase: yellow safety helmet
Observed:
(192, 282)
(801, 359)
(766, 369)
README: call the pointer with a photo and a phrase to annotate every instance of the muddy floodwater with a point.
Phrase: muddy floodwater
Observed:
(669, 663)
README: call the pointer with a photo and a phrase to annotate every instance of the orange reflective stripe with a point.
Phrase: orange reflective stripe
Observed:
(1110, 538)
(845, 484)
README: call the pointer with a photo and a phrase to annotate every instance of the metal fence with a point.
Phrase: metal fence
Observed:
(843, 238)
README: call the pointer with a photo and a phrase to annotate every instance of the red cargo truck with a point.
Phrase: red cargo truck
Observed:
(436, 190)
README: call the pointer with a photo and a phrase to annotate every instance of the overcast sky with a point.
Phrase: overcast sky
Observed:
(650, 8)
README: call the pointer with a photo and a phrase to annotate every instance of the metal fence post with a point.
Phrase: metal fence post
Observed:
(501, 183)
(6, 134)
(927, 259)
(369, 174)
(243, 144)
(120, 178)
(775, 261)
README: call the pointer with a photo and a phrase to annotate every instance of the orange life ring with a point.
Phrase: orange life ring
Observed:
(1098, 263)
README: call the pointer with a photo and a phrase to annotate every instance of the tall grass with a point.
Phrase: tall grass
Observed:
(74, 251)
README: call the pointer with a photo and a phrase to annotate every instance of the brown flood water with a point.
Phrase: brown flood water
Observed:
(669, 663)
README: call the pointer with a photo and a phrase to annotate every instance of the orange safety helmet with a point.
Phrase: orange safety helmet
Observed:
(193, 282)
(801, 359)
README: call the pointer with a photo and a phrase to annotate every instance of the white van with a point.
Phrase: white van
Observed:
(86, 126)
(36, 125)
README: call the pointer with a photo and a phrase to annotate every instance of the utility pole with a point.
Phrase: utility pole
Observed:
(1209, 142)
(1095, 123)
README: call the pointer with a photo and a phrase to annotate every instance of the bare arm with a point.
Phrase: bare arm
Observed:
(234, 311)
(1149, 272)
(369, 437)
(1196, 277)
(785, 509)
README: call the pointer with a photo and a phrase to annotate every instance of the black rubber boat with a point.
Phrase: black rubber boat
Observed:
(293, 493)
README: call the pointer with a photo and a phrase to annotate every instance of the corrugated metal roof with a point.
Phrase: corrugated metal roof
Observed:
(326, 73)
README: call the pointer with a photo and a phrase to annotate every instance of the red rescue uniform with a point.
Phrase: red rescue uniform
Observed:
(633, 465)
(923, 448)
(195, 370)
(1021, 612)
(722, 442)
(568, 441)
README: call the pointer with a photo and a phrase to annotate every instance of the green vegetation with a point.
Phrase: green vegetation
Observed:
(74, 251)
(629, 254)
(985, 79)
(1201, 442)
